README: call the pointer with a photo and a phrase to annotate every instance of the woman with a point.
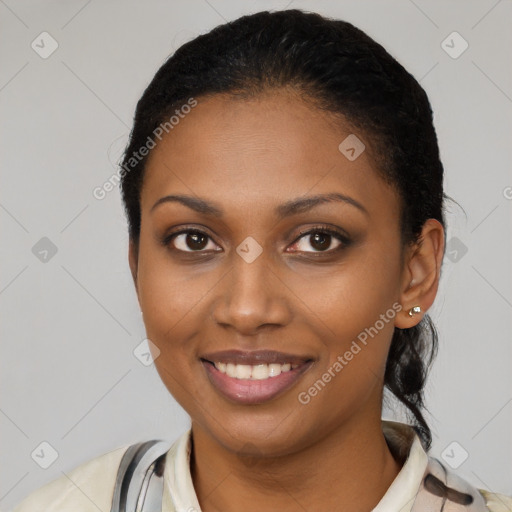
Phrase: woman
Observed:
(284, 197)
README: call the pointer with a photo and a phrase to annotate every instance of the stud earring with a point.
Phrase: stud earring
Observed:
(414, 311)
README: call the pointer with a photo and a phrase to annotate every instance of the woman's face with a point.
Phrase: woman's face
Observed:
(250, 281)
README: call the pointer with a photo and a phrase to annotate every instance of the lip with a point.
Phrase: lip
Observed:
(255, 357)
(251, 392)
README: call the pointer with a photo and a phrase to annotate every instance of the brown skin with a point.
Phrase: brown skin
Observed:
(248, 156)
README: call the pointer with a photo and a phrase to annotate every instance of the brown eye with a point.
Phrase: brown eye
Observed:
(321, 241)
(189, 241)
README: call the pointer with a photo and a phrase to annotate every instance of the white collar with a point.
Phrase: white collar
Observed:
(180, 496)
(405, 444)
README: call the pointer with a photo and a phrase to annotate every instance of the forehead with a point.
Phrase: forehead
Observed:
(262, 151)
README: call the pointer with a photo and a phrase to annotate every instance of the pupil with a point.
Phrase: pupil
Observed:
(197, 240)
(323, 244)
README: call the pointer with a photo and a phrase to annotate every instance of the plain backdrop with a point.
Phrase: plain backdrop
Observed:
(70, 320)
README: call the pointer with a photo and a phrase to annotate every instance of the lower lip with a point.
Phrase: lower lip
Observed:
(247, 391)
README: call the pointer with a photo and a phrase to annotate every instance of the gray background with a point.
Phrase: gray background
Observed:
(70, 323)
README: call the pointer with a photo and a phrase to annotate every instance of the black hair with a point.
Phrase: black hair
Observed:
(343, 71)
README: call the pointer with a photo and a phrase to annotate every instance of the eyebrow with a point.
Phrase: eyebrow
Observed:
(292, 207)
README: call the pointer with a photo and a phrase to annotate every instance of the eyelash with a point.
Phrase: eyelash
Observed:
(325, 230)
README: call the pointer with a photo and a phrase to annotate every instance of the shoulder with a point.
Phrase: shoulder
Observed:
(442, 488)
(86, 488)
(496, 502)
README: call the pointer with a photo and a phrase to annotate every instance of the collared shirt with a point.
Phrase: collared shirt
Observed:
(89, 487)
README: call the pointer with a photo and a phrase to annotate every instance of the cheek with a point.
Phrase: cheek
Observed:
(175, 312)
(346, 299)
(166, 297)
(171, 308)
(353, 359)
(352, 312)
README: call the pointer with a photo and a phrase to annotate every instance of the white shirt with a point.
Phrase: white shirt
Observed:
(89, 487)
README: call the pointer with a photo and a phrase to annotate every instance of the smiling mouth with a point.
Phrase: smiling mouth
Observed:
(253, 372)
(253, 384)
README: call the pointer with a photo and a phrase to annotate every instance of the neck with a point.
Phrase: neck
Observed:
(349, 469)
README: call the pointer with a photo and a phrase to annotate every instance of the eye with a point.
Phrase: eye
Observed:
(321, 239)
(189, 240)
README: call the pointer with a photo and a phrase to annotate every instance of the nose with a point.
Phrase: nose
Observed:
(253, 295)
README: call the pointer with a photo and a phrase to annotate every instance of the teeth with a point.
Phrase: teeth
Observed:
(254, 372)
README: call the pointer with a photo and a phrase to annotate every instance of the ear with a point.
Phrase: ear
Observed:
(133, 258)
(421, 274)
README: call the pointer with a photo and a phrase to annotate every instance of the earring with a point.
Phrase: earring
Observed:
(415, 310)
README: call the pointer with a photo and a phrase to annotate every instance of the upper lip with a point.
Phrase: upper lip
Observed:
(254, 357)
